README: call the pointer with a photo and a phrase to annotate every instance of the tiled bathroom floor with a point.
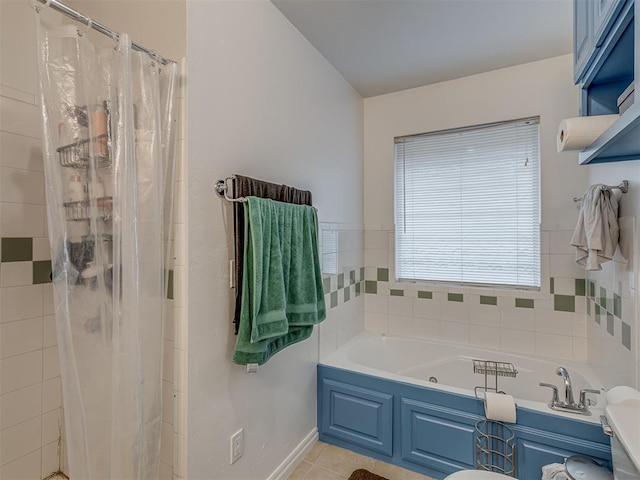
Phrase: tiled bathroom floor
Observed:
(327, 462)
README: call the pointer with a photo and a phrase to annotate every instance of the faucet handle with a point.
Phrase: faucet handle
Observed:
(555, 399)
(583, 395)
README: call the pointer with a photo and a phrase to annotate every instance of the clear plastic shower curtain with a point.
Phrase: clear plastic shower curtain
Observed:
(109, 153)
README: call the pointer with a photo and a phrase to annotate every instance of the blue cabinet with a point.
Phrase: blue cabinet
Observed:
(583, 39)
(432, 431)
(358, 415)
(606, 51)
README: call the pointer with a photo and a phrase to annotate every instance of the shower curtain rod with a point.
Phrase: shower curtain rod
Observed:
(75, 15)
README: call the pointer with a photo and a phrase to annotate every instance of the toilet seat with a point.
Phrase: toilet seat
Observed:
(477, 475)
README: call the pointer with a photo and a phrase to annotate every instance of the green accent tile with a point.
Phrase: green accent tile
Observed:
(592, 288)
(334, 299)
(396, 293)
(358, 289)
(580, 287)
(524, 302)
(552, 285)
(340, 281)
(603, 298)
(455, 297)
(423, 294)
(488, 300)
(626, 336)
(361, 273)
(617, 305)
(588, 307)
(352, 277)
(42, 271)
(347, 294)
(17, 249)
(370, 286)
(597, 317)
(610, 323)
(564, 303)
(326, 284)
(383, 274)
(170, 285)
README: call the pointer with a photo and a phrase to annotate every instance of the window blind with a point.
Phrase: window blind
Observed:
(467, 205)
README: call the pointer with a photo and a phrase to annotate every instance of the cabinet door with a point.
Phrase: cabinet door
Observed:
(583, 41)
(604, 14)
(358, 415)
(437, 437)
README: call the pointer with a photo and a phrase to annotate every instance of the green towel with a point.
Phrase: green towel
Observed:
(282, 293)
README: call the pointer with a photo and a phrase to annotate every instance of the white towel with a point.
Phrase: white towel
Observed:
(597, 232)
(555, 471)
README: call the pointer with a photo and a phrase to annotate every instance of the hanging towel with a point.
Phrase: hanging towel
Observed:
(282, 292)
(250, 187)
(596, 234)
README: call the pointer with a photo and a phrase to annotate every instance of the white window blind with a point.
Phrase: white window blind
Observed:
(467, 205)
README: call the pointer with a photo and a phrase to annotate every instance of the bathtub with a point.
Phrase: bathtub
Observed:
(450, 368)
(412, 403)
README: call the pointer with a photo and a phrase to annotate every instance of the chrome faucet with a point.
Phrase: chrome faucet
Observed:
(568, 390)
(569, 404)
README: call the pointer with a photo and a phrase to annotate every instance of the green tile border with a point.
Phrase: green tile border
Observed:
(396, 293)
(370, 286)
(564, 303)
(425, 294)
(524, 302)
(41, 271)
(488, 300)
(455, 297)
(16, 249)
(383, 274)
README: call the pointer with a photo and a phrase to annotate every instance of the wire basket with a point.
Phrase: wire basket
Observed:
(77, 154)
(495, 448)
(81, 210)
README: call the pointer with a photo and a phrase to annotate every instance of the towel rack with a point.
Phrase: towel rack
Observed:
(222, 189)
(623, 187)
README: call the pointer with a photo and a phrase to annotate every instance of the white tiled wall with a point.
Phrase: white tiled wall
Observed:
(541, 330)
(346, 319)
(30, 392)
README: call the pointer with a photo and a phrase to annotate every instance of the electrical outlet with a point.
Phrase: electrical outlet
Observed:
(237, 445)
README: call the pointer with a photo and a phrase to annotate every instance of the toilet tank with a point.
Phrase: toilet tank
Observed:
(624, 420)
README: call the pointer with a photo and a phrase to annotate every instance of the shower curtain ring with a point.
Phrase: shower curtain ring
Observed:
(86, 28)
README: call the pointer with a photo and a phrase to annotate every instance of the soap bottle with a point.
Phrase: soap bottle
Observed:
(76, 190)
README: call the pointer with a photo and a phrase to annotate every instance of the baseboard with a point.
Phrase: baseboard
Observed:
(294, 459)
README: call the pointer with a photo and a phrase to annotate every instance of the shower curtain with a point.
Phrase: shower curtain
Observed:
(108, 115)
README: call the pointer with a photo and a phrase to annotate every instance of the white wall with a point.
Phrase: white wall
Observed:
(543, 89)
(264, 103)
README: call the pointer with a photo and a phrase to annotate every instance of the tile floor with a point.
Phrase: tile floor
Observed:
(327, 462)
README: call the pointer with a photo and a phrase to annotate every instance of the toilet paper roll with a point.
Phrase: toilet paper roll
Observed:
(620, 394)
(499, 407)
(578, 133)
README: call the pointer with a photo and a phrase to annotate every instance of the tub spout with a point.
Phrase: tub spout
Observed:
(568, 389)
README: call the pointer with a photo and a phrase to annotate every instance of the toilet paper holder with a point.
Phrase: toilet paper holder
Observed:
(495, 448)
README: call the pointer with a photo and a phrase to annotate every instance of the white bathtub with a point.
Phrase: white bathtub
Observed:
(416, 361)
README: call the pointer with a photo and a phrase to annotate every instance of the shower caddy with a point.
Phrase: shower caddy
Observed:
(80, 155)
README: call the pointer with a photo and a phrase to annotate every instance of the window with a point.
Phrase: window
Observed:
(467, 206)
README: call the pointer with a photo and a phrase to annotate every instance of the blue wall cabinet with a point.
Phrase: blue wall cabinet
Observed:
(432, 431)
(583, 40)
(606, 49)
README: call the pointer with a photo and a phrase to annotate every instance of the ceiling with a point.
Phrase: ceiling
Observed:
(383, 46)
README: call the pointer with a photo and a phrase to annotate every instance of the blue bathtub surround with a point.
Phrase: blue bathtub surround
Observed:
(432, 432)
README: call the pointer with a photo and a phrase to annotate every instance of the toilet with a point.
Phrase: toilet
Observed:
(477, 475)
